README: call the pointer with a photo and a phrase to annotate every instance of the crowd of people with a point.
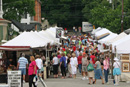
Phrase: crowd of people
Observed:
(76, 54)
(81, 53)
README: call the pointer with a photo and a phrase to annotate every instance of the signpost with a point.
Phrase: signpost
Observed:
(14, 78)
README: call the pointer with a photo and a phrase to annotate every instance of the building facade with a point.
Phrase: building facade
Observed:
(27, 19)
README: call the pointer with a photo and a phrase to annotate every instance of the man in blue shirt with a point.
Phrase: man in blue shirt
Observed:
(22, 65)
(63, 65)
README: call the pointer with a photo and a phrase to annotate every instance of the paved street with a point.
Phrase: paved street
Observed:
(69, 82)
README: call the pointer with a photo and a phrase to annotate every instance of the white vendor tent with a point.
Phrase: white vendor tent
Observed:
(102, 33)
(122, 40)
(123, 48)
(109, 37)
(121, 35)
(50, 35)
(96, 30)
(26, 39)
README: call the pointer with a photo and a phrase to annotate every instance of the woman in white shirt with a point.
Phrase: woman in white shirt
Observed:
(74, 64)
(39, 64)
(116, 71)
(55, 66)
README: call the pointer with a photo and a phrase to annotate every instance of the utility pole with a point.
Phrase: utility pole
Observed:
(122, 19)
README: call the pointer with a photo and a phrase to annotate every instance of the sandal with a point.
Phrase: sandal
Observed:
(89, 83)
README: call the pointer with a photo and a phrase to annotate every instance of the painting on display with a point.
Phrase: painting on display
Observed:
(125, 57)
(126, 67)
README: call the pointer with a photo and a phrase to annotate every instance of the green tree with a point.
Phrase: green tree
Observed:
(103, 15)
(15, 9)
(65, 13)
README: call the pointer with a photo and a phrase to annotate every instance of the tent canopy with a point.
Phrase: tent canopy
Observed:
(102, 31)
(121, 35)
(30, 39)
(96, 30)
(122, 40)
(123, 48)
(111, 36)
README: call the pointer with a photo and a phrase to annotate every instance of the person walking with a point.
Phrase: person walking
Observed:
(80, 62)
(92, 58)
(55, 66)
(69, 66)
(116, 71)
(106, 68)
(74, 64)
(90, 69)
(63, 65)
(84, 66)
(74, 29)
(32, 71)
(39, 64)
(22, 65)
(98, 71)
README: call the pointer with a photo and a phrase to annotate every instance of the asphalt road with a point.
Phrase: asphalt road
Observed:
(70, 82)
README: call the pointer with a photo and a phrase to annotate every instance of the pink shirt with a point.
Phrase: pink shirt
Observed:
(31, 68)
(106, 64)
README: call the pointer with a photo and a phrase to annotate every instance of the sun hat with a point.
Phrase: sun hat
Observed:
(116, 59)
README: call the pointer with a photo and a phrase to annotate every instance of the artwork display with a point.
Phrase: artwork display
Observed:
(126, 67)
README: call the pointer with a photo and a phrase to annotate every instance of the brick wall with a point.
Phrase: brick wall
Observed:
(37, 16)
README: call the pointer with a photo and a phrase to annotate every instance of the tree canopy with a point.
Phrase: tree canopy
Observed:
(100, 13)
(15, 9)
(66, 13)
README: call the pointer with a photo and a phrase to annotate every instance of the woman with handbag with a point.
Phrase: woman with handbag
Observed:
(32, 71)
(116, 71)
(106, 68)
(90, 69)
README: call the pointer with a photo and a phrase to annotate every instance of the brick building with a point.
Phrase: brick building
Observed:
(27, 19)
(37, 16)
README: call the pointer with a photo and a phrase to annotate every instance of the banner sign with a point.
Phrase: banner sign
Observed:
(86, 27)
(14, 78)
(58, 32)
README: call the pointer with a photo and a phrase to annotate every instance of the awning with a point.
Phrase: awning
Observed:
(14, 48)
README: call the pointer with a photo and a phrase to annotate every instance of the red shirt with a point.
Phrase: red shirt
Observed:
(79, 59)
(65, 28)
(92, 58)
(74, 48)
(63, 49)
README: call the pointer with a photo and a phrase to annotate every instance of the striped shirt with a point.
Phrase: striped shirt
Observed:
(22, 62)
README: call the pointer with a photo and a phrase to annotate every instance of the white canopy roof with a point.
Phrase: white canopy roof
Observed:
(121, 35)
(122, 40)
(30, 39)
(50, 35)
(96, 30)
(101, 32)
(123, 48)
(111, 36)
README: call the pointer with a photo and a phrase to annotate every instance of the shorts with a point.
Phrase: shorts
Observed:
(84, 69)
(39, 71)
(23, 71)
